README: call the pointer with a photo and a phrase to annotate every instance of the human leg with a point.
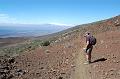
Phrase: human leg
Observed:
(88, 54)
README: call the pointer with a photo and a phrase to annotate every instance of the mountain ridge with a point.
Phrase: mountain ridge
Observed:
(22, 30)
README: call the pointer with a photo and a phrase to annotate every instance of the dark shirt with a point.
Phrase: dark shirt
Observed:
(88, 38)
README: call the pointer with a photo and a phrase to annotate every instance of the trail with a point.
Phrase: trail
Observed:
(81, 70)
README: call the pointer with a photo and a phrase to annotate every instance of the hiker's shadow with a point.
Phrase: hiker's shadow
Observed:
(98, 60)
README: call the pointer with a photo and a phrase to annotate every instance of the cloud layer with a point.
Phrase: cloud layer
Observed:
(5, 18)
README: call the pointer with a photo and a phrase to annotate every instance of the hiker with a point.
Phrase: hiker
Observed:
(90, 41)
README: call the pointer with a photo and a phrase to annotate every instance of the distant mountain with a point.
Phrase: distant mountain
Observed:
(26, 30)
(94, 27)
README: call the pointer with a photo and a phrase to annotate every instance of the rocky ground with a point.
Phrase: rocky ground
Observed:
(8, 70)
(106, 57)
(57, 61)
(64, 59)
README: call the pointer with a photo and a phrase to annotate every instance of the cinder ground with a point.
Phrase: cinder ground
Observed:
(64, 59)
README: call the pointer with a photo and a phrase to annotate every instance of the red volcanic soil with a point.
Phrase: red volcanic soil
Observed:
(57, 61)
(52, 62)
(64, 59)
(106, 56)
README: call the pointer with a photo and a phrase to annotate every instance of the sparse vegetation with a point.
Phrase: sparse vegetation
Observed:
(16, 50)
(45, 43)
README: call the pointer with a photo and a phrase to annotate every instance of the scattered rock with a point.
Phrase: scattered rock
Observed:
(11, 60)
(7, 69)
(56, 41)
(19, 72)
(10, 76)
(112, 69)
(63, 73)
(60, 77)
(42, 68)
(106, 73)
(114, 61)
(72, 65)
(47, 51)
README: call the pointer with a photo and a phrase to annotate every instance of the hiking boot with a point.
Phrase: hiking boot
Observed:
(88, 62)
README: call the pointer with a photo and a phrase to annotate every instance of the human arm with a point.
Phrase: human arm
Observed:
(87, 43)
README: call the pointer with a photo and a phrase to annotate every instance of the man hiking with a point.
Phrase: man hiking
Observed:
(90, 41)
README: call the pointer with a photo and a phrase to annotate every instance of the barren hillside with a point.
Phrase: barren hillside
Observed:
(64, 58)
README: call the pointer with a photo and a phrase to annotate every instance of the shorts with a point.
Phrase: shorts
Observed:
(89, 49)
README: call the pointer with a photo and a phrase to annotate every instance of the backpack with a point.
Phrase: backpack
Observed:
(93, 40)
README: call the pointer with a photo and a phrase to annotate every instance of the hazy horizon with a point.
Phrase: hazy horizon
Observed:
(29, 30)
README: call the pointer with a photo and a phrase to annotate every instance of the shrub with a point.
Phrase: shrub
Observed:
(45, 43)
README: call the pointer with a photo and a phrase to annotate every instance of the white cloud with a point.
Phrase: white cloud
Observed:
(5, 18)
(2, 15)
(61, 24)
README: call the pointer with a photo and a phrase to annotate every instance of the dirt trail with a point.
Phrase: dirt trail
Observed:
(81, 70)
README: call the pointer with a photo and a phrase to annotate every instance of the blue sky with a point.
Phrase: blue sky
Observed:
(69, 12)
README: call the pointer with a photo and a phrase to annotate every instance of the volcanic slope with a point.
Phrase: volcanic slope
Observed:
(64, 58)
